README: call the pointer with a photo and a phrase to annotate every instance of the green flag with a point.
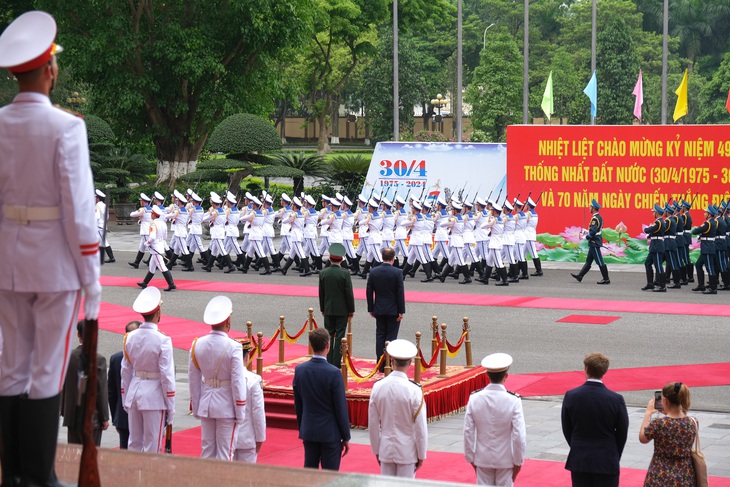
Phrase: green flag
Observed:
(547, 97)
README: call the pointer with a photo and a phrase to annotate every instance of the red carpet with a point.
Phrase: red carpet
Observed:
(588, 319)
(284, 448)
(573, 304)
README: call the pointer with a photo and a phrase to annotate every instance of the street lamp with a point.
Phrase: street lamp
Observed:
(485, 35)
(440, 102)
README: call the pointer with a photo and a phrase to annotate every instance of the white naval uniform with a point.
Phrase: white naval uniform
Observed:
(217, 219)
(148, 386)
(325, 219)
(496, 231)
(401, 232)
(47, 261)
(156, 244)
(531, 234)
(397, 424)
(347, 234)
(100, 215)
(441, 236)
(179, 217)
(388, 233)
(217, 392)
(494, 434)
(508, 239)
(253, 428)
(195, 230)
(309, 242)
(144, 219)
(520, 236)
(269, 231)
(481, 233)
(230, 244)
(255, 221)
(285, 229)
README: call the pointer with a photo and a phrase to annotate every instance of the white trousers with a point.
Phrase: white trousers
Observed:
(398, 470)
(179, 246)
(218, 436)
(195, 242)
(157, 261)
(146, 430)
(248, 455)
(230, 244)
(38, 331)
(499, 477)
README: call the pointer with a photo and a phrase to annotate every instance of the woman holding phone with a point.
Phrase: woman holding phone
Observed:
(673, 435)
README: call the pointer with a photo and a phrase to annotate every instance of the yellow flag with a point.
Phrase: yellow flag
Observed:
(680, 109)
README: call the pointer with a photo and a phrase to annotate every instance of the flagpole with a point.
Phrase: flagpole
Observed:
(396, 101)
(664, 62)
(526, 63)
(593, 48)
(459, 69)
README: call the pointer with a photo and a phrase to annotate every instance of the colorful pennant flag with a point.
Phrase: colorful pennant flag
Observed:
(591, 91)
(639, 94)
(680, 109)
(727, 105)
(547, 97)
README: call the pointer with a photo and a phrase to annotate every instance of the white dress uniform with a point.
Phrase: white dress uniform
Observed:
(179, 217)
(508, 238)
(325, 220)
(335, 228)
(347, 234)
(255, 220)
(397, 423)
(195, 228)
(496, 230)
(388, 231)
(520, 236)
(253, 428)
(401, 232)
(531, 234)
(148, 385)
(100, 215)
(269, 230)
(311, 220)
(494, 434)
(156, 244)
(481, 233)
(470, 240)
(441, 236)
(230, 244)
(144, 219)
(217, 392)
(375, 238)
(285, 229)
(217, 219)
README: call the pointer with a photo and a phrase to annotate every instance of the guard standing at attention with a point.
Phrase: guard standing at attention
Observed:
(653, 262)
(707, 233)
(252, 432)
(595, 242)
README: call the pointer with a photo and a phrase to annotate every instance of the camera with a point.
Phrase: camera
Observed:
(658, 400)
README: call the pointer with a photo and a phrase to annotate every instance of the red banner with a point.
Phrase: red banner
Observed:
(625, 168)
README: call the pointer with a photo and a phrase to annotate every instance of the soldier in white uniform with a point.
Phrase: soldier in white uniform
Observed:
(531, 237)
(397, 417)
(144, 218)
(230, 244)
(255, 220)
(401, 232)
(179, 217)
(269, 233)
(309, 242)
(217, 217)
(148, 376)
(284, 231)
(252, 432)
(520, 239)
(347, 234)
(196, 213)
(217, 385)
(494, 427)
(156, 245)
(508, 241)
(48, 247)
(102, 217)
(496, 226)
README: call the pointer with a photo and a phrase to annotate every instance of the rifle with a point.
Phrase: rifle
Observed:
(89, 469)
(420, 198)
(538, 198)
(168, 439)
(498, 195)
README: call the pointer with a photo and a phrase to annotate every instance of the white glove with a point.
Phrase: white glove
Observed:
(92, 300)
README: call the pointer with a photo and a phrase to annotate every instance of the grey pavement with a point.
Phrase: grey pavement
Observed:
(531, 336)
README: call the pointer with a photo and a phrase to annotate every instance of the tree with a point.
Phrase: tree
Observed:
(619, 69)
(495, 92)
(174, 69)
(306, 164)
(714, 95)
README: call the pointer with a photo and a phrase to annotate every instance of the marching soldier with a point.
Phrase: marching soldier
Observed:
(284, 230)
(397, 417)
(296, 218)
(655, 236)
(144, 219)
(401, 233)
(230, 244)
(671, 251)
(360, 215)
(102, 217)
(495, 226)
(196, 213)
(688, 239)
(455, 227)
(347, 234)
(531, 237)
(470, 241)
(156, 245)
(721, 248)
(595, 242)
(707, 233)
(179, 217)
(252, 432)
(217, 217)
(148, 376)
(724, 217)
(481, 234)
(508, 241)
(311, 220)
(255, 219)
(217, 385)
(681, 246)
(520, 239)
(442, 234)
(374, 239)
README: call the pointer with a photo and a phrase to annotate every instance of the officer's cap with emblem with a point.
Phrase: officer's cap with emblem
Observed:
(347, 201)
(285, 197)
(468, 204)
(297, 202)
(28, 42)
(518, 203)
(490, 201)
(196, 197)
(179, 195)
(337, 250)
(400, 200)
(595, 204)
(247, 195)
(148, 301)
(677, 206)
(481, 202)
(159, 196)
(417, 205)
(669, 208)
(401, 349)
(441, 201)
(531, 203)
(335, 202)
(387, 202)
(376, 196)
(686, 205)
(325, 198)
(338, 196)
(231, 197)
(189, 191)
(215, 198)
(711, 210)
(219, 309)
(144, 197)
(373, 203)
(508, 206)
(158, 211)
(362, 198)
(456, 205)
(255, 201)
(310, 200)
(658, 209)
(497, 362)
(427, 203)
(100, 194)
(268, 199)
(495, 206)
(245, 344)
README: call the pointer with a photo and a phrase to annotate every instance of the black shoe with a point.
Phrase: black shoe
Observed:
(577, 277)
(524, 276)
(513, 279)
(428, 279)
(207, 269)
(661, 289)
(603, 281)
(648, 287)
(230, 269)
(683, 282)
(466, 280)
(698, 288)
(709, 291)
(675, 286)
(188, 269)
(536, 274)
(142, 284)
(501, 283)
(726, 287)
(110, 261)
(691, 279)
(134, 264)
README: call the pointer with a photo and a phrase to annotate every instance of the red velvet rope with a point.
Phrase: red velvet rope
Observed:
(295, 337)
(433, 359)
(351, 366)
(455, 348)
(271, 342)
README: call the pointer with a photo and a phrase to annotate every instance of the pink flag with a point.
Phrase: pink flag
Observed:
(639, 94)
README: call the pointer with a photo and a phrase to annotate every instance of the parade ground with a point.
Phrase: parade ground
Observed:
(546, 323)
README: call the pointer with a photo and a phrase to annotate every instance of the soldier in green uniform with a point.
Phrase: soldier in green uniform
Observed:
(595, 242)
(707, 232)
(336, 301)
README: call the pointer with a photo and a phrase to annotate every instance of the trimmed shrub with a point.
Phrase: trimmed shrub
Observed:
(244, 133)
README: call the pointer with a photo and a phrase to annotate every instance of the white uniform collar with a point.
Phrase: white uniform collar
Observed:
(32, 97)
(499, 387)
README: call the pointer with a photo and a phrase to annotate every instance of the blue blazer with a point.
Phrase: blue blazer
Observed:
(385, 293)
(119, 415)
(595, 424)
(319, 399)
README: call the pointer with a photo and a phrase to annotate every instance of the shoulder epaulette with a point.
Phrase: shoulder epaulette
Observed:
(416, 383)
(478, 390)
(514, 394)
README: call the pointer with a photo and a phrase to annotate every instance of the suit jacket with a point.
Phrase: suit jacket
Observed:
(119, 415)
(385, 292)
(73, 415)
(320, 403)
(335, 292)
(595, 424)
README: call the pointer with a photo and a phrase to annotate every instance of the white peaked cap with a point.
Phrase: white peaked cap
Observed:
(401, 349)
(99, 193)
(179, 195)
(148, 301)
(497, 362)
(285, 197)
(159, 196)
(219, 309)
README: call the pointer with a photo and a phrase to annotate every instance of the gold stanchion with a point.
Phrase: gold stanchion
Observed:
(386, 357)
(259, 356)
(434, 334)
(417, 360)
(343, 365)
(248, 334)
(467, 344)
(310, 352)
(442, 362)
(282, 342)
(349, 334)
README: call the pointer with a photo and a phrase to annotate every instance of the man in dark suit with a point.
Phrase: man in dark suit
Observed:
(72, 406)
(321, 406)
(386, 301)
(336, 301)
(595, 425)
(119, 415)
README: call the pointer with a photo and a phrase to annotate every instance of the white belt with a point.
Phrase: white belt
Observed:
(27, 214)
(215, 383)
(707, 238)
(144, 375)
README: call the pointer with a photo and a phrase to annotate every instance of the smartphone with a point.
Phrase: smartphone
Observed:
(658, 400)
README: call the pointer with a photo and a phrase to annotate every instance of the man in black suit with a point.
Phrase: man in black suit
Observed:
(119, 415)
(321, 406)
(336, 301)
(386, 301)
(595, 425)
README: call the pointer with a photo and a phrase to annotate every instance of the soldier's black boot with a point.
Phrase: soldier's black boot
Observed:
(502, 273)
(700, 280)
(366, 270)
(170, 283)
(487, 274)
(439, 266)
(188, 263)
(256, 263)
(317, 259)
(173, 261)
(276, 260)
(649, 279)
(583, 271)
(690, 271)
(522, 265)
(228, 263)
(427, 268)
(725, 282)
(245, 264)
(37, 444)
(406, 269)
(538, 268)
(9, 438)
(101, 255)
(146, 281)
(676, 280)
(415, 267)
(445, 272)
(355, 266)
(239, 262)
(712, 288)
(306, 270)
(137, 260)
(297, 263)
(661, 283)
(604, 273)
(513, 273)
(465, 273)
(208, 262)
(396, 263)
(267, 267)
(287, 265)
(109, 254)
